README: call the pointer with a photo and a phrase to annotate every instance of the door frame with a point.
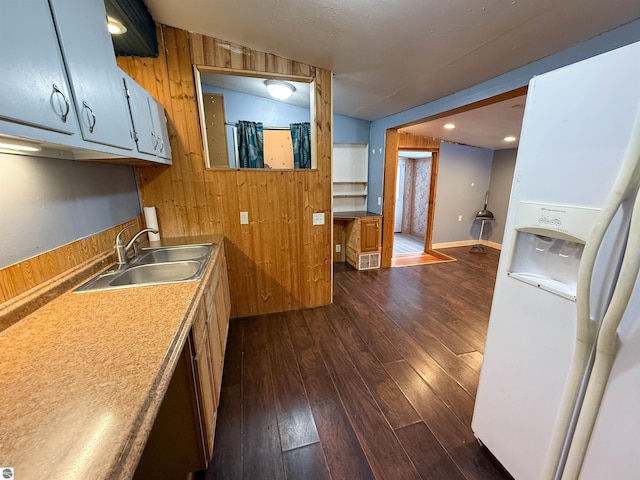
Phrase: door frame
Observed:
(398, 142)
(399, 192)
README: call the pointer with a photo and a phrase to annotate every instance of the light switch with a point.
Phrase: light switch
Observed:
(318, 218)
(338, 248)
(244, 218)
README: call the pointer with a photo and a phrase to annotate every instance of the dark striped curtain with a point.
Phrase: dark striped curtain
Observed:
(301, 140)
(250, 144)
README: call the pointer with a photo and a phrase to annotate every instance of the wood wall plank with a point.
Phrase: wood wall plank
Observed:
(417, 142)
(279, 261)
(27, 274)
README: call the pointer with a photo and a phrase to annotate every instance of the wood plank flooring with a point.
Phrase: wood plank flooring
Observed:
(407, 243)
(379, 385)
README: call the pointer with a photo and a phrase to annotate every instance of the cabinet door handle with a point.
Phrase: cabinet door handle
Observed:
(57, 90)
(161, 144)
(154, 141)
(92, 120)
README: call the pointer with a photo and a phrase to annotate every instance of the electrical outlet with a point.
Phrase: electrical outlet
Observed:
(318, 218)
(244, 218)
(459, 218)
(338, 248)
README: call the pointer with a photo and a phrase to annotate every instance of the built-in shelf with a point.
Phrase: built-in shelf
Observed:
(350, 162)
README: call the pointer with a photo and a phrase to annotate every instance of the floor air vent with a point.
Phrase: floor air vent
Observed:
(369, 261)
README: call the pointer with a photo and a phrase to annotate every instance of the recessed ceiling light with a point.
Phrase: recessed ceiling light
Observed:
(115, 26)
(449, 126)
(278, 89)
(18, 145)
(509, 139)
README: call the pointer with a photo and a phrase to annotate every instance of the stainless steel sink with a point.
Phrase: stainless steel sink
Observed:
(157, 273)
(154, 266)
(174, 254)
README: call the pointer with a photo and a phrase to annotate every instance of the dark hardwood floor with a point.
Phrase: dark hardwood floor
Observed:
(379, 385)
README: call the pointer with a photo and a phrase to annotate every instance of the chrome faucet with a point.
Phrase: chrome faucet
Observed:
(122, 250)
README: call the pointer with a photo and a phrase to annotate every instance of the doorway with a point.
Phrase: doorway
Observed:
(413, 186)
(406, 137)
(400, 210)
(406, 145)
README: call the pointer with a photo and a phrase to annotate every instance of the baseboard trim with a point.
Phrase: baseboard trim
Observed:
(467, 243)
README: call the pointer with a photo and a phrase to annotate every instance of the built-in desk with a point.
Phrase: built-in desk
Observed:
(357, 238)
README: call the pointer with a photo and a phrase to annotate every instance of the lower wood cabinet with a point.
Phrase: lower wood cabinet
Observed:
(369, 234)
(364, 242)
(209, 331)
(206, 375)
(183, 434)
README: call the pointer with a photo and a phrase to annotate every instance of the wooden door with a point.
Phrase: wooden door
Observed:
(216, 130)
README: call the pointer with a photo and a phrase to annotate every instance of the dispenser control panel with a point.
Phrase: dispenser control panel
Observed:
(571, 222)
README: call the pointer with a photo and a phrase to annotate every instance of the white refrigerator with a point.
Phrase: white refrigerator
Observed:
(559, 391)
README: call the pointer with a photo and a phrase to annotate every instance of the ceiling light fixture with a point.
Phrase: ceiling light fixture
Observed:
(510, 138)
(449, 126)
(115, 26)
(278, 89)
(18, 145)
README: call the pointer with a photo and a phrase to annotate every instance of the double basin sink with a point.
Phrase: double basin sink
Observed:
(154, 266)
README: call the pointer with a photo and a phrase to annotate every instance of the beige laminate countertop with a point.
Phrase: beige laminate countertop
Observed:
(82, 378)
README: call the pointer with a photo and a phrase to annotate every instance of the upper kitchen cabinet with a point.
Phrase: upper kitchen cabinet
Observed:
(34, 89)
(61, 93)
(90, 60)
(149, 121)
(160, 127)
(140, 115)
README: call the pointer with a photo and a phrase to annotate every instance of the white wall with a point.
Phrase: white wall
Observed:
(502, 168)
(46, 203)
(463, 180)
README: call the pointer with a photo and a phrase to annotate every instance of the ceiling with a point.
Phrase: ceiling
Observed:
(484, 127)
(388, 56)
(301, 97)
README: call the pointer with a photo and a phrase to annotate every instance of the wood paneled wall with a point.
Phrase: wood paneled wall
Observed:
(416, 142)
(27, 274)
(279, 261)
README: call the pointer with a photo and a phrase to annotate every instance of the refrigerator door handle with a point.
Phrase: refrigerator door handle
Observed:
(606, 348)
(586, 329)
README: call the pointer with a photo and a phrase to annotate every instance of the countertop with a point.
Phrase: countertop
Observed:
(354, 214)
(82, 378)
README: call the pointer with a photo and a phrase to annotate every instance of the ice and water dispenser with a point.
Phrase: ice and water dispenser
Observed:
(548, 244)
